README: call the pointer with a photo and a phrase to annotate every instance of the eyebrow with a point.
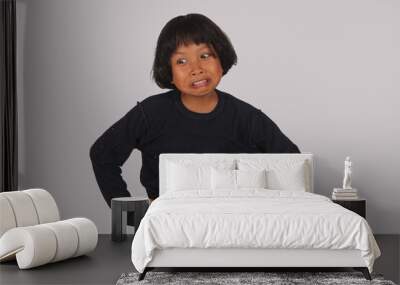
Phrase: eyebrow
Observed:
(205, 47)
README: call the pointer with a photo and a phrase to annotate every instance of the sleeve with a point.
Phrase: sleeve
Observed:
(112, 149)
(267, 136)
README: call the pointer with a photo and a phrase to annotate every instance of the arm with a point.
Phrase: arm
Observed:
(112, 149)
(267, 136)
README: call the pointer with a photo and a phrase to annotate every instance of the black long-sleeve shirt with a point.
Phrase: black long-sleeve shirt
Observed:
(162, 124)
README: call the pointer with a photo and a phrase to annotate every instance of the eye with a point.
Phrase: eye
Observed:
(206, 55)
(181, 61)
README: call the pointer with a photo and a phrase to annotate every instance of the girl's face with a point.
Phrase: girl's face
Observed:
(196, 69)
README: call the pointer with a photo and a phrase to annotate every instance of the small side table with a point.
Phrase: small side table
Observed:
(119, 209)
(358, 206)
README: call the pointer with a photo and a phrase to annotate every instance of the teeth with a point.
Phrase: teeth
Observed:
(199, 82)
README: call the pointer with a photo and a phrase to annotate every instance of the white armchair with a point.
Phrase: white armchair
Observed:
(31, 230)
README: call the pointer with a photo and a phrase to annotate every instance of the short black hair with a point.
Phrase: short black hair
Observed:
(184, 30)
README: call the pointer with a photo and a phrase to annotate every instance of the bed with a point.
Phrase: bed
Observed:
(247, 210)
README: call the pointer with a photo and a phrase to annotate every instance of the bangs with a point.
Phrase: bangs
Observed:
(189, 34)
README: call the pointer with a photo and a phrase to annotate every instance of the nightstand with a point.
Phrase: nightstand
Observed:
(358, 206)
(120, 209)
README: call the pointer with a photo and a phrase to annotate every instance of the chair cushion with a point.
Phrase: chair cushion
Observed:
(7, 220)
(40, 244)
(45, 205)
(22, 207)
(26, 208)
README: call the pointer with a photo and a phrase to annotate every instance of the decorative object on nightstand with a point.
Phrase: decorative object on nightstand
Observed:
(347, 173)
(344, 194)
(358, 206)
(120, 207)
(347, 192)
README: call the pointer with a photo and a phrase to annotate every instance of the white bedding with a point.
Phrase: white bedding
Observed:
(250, 218)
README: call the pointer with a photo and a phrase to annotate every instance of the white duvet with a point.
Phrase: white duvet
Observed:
(250, 218)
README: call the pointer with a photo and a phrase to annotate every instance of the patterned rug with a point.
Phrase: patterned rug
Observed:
(243, 278)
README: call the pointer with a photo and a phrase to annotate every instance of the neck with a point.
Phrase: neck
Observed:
(200, 104)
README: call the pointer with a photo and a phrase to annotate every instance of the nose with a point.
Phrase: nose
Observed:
(196, 68)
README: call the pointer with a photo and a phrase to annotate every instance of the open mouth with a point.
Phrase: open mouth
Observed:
(200, 83)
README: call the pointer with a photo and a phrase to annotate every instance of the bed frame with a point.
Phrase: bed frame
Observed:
(249, 257)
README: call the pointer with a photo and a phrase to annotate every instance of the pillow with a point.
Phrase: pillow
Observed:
(281, 174)
(223, 179)
(186, 174)
(251, 178)
(292, 178)
(182, 177)
(236, 179)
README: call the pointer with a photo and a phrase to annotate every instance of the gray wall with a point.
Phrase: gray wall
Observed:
(327, 72)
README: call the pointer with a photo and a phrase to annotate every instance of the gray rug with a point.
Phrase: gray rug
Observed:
(269, 278)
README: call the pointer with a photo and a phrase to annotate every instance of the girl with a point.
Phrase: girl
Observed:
(192, 55)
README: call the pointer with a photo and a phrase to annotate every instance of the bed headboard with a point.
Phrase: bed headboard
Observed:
(308, 157)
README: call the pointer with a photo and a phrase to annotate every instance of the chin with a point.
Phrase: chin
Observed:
(199, 93)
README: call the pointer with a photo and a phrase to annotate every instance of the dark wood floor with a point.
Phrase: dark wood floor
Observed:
(110, 260)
